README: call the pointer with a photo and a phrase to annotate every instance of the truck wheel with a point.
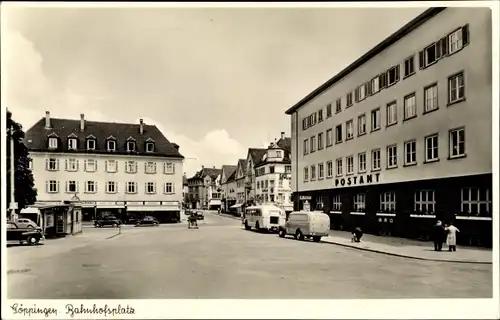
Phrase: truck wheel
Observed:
(247, 227)
(299, 235)
(257, 226)
(115, 225)
(282, 233)
(32, 240)
(316, 239)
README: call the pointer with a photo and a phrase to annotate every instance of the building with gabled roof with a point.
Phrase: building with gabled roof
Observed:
(228, 186)
(122, 169)
(204, 189)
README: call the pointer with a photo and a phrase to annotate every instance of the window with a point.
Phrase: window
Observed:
(90, 187)
(150, 147)
(169, 167)
(457, 143)
(72, 165)
(430, 55)
(271, 169)
(410, 152)
(349, 130)
(476, 201)
(313, 144)
(392, 116)
(320, 141)
(313, 172)
(410, 106)
(431, 98)
(304, 124)
(431, 148)
(329, 110)
(392, 156)
(52, 186)
(349, 99)
(361, 125)
(90, 165)
(375, 117)
(131, 187)
(130, 166)
(150, 167)
(338, 104)
(111, 145)
(375, 85)
(111, 187)
(338, 163)
(306, 146)
(52, 143)
(288, 169)
(52, 164)
(306, 173)
(362, 162)
(359, 202)
(321, 170)
(456, 88)
(329, 138)
(130, 146)
(455, 40)
(338, 134)
(329, 169)
(72, 144)
(375, 159)
(320, 115)
(337, 203)
(409, 66)
(425, 201)
(111, 165)
(169, 187)
(278, 153)
(362, 92)
(392, 75)
(71, 186)
(91, 144)
(388, 202)
(150, 187)
(350, 165)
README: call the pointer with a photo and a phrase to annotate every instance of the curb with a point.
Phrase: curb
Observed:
(229, 217)
(402, 255)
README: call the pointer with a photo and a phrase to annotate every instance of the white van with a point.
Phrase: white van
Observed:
(306, 224)
(264, 217)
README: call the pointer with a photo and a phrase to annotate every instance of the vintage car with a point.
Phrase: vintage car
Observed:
(29, 235)
(147, 221)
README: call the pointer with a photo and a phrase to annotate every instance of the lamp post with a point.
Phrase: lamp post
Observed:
(13, 203)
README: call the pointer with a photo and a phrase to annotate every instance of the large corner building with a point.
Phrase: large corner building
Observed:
(128, 170)
(402, 137)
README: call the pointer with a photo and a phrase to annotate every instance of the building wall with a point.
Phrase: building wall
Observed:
(474, 113)
(41, 175)
(285, 189)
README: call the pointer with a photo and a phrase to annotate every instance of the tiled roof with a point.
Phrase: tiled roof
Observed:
(211, 172)
(228, 170)
(232, 177)
(286, 145)
(243, 164)
(37, 137)
(256, 154)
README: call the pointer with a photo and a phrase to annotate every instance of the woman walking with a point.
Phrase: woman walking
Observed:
(451, 238)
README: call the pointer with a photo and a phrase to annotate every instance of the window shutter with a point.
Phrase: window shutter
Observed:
(46, 164)
(421, 59)
(77, 186)
(135, 167)
(154, 167)
(95, 186)
(439, 51)
(369, 88)
(77, 164)
(67, 186)
(47, 186)
(444, 46)
(57, 186)
(57, 164)
(465, 35)
(145, 167)
(173, 167)
(116, 186)
(173, 187)
(95, 163)
(66, 164)
(381, 81)
(85, 164)
(356, 94)
(397, 73)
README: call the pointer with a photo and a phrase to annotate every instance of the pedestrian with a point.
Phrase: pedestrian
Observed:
(438, 236)
(357, 234)
(451, 237)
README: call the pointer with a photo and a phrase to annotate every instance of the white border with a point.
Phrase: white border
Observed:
(274, 309)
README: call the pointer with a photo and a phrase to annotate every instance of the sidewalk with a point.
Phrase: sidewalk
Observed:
(409, 248)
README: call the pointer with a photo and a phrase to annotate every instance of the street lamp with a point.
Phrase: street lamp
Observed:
(13, 203)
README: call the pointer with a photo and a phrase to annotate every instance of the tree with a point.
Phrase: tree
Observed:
(24, 185)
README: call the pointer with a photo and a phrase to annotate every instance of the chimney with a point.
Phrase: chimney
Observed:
(282, 135)
(82, 122)
(141, 130)
(214, 167)
(47, 119)
(175, 145)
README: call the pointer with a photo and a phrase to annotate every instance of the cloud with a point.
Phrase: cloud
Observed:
(27, 92)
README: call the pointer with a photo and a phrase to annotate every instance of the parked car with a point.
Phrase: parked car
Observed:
(200, 215)
(108, 221)
(147, 221)
(29, 235)
(306, 224)
(26, 223)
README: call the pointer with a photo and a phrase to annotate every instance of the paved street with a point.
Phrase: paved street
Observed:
(221, 260)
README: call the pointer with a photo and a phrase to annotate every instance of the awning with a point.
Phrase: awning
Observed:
(236, 206)
(152, 208)
(30, 210)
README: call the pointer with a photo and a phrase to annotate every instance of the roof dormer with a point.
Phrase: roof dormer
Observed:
(150, 145)
(52, 141)
(131, 144)
(111, 144)
(91, 142)
(72, 142)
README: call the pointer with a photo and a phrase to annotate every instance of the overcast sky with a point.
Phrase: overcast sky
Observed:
(215, 81)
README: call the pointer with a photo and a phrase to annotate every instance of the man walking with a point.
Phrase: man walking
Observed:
(438, 236)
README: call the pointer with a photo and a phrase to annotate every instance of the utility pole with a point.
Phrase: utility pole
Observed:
(13, 203)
